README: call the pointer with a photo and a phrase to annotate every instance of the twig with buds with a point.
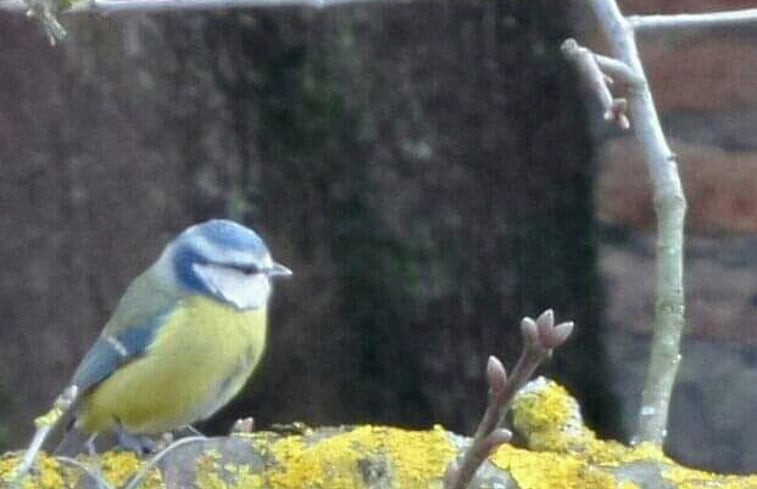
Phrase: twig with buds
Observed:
(540, 337)
(599, 73)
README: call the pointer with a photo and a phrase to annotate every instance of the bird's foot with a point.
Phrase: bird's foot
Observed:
(139, 444)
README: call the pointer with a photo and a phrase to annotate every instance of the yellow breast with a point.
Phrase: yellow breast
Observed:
(201, 357)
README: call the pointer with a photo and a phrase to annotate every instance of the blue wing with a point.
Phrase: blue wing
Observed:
(112, 351)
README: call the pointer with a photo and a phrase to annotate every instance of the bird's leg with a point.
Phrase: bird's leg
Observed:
(139, 444)
(90, 444)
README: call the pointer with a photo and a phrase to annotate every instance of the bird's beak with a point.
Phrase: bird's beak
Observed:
(278, 270)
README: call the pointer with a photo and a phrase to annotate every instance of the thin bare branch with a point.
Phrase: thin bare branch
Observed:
(670, 208)
(137, 479)
(732, 18)
(96, 477)
(618, 70)
(45, 424)
(48, 11)
(117, 6)
(598, 81)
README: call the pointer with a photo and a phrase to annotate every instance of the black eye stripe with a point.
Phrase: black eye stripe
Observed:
(247, 269)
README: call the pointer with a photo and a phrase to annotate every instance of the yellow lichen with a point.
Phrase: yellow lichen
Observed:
(544, 470)
(48, 473)
(685, 478)
(49, 418)
(119, 467)
(562, 453)
(550, 418)
(346, 460)
(565, 453)
(213, 474)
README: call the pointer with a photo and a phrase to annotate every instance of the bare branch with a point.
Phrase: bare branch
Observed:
(45, 424)
(732, 18)
(137, 479)
(117, 6)
(618, 70)
(670, 208)
(47, 11)
(590, 69)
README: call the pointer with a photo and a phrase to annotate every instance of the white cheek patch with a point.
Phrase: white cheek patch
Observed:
(245, 291)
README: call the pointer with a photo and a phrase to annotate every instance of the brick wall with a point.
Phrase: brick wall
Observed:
(704, 88)
(704, 85)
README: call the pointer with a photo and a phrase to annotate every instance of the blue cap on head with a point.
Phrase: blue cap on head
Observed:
(227, 233)
(220, 242)
(223, 236)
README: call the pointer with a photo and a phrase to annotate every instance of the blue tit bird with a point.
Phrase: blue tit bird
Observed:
(184, 338)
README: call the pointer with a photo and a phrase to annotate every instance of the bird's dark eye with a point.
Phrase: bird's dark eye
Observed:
(248, 269)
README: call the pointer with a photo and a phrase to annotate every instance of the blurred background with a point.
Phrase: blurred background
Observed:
(430, 170)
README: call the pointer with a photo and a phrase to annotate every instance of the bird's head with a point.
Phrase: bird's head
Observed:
(223, 260)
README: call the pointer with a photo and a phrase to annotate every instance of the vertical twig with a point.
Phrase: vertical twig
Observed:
(670, 208)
